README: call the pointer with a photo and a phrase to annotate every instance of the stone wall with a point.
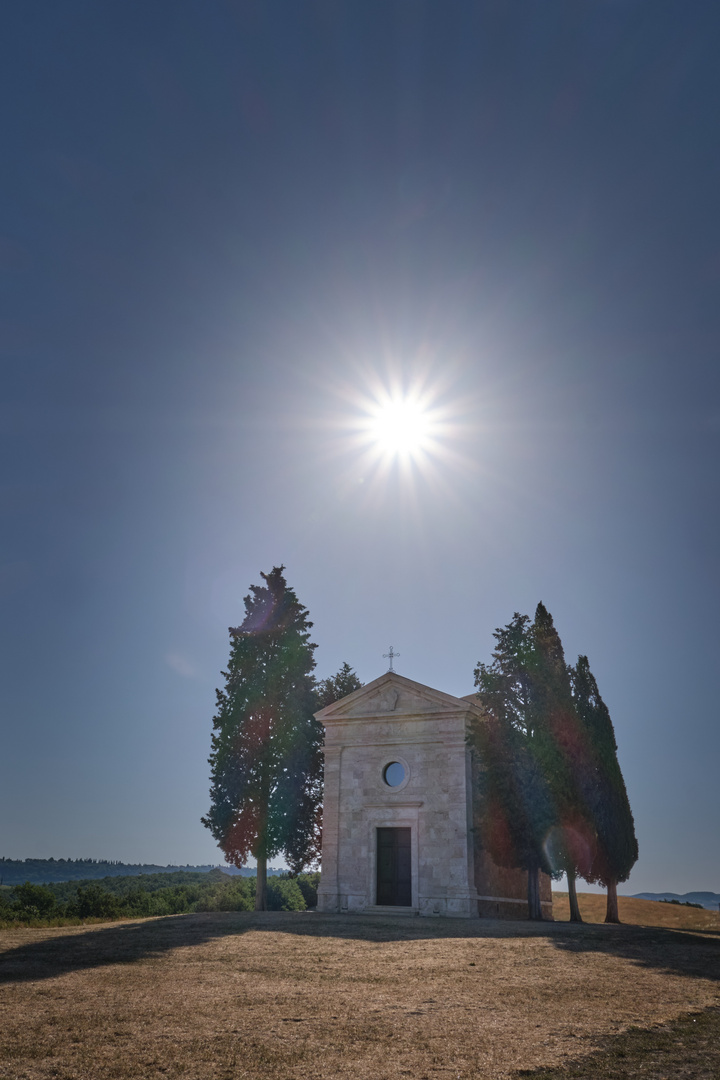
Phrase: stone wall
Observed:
(434, 801)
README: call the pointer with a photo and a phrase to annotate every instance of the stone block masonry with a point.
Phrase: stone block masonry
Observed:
(396, 758)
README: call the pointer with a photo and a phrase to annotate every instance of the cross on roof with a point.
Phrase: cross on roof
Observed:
(390, 656)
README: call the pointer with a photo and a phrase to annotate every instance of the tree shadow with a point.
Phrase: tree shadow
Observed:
(688, 953)
(692, 953)
(119, 943)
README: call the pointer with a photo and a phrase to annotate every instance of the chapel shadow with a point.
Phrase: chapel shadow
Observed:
(685, 953)
(690, 953)
(97, 946)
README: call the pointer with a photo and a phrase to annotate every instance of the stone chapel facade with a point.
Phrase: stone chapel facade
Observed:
(399, 809)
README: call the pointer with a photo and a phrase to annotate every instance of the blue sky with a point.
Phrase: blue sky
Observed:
(226, 227)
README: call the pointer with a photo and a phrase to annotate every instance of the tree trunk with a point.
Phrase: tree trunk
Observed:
(612, 903)
(575, 915)
(534, 905)
(261, 883)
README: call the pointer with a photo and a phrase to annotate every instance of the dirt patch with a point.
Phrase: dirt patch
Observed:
(285, 995)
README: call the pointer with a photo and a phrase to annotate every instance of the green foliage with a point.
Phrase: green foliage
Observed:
(327, 692)
(34, 901)
(66, 891)
(285, 894)
(266, 745)
(567, 754)
(514, 744)
(552, 793)
(308, 884)
(606, 796)
(139, 897)
(44, 871)
(235, 894)
(95, 902)
(337, 686)
(536, 812)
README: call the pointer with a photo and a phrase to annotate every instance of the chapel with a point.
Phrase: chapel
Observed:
(399, 817)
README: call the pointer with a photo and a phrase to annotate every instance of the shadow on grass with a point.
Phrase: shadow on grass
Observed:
(693, 953)
(688, 1047)
(681, 952)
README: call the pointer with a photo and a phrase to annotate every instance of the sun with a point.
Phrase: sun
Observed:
(400, 426)
(398, 430)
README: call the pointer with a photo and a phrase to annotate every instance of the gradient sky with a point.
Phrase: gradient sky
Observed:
(226, 227)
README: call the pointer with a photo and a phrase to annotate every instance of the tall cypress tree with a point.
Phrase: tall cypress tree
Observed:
(265, 742)
(515, 750)
(536, 808)
(608, 803)
(567, 759)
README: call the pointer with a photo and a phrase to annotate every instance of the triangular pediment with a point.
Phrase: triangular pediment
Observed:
(392, 695)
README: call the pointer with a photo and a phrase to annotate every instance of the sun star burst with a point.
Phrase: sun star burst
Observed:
(400, 426)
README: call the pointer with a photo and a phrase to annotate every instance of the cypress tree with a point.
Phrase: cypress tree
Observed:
(608, 803)
(266, 742)
(567, 759)
(513, 740)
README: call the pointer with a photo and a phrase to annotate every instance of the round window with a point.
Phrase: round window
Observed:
(394, 774)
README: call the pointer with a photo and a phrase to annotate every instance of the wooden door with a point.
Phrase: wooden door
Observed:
(394, 880)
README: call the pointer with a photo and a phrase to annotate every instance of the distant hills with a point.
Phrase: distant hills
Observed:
(45, 871)
(709, 900)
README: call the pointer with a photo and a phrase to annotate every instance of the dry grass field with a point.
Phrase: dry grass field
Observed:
(639, 912)
(299, 995)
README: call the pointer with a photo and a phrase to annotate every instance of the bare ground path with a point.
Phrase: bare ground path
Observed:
(299, 995)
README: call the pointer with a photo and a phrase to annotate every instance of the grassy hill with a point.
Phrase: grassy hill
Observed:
(636, 912)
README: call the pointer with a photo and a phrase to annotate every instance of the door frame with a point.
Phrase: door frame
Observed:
(394, 885)
(393, 817)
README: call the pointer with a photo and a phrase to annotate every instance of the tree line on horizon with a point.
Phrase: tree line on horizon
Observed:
(148, 895)
(552, 796)
(44, 871)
